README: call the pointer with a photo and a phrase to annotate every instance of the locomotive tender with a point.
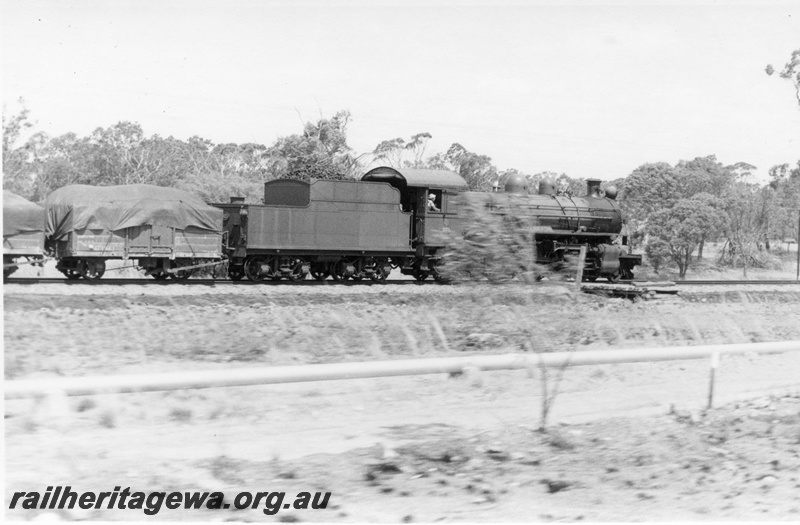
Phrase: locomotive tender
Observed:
(399, 218)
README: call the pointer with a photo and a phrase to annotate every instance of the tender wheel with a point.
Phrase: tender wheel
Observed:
(92, 269)
(381, 269)
(160, 276)
(320, 272)
(339, 271)
(379, 275)
(613, 278)
(297, 274)
(252, 269)
(236, 275)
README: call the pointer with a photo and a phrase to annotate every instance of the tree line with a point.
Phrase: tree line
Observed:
(672, 211)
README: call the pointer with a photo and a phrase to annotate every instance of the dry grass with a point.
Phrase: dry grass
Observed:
(101, 334)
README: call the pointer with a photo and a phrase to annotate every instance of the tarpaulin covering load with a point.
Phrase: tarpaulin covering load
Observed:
(21, 215)
(80, 207)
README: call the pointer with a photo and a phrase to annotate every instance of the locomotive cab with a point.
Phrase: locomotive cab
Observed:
(428, 195)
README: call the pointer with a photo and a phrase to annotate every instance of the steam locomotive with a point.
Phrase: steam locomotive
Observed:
(400, 218)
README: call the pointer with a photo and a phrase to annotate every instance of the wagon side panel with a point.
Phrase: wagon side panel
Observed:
(24, 244)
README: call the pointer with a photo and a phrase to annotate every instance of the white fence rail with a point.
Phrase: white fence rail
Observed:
(90, 385)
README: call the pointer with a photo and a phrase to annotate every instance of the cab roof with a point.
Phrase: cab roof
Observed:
(416, 178)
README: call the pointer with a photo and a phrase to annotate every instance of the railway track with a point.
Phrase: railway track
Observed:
(703, 282)
(311, 282)
(190, 282)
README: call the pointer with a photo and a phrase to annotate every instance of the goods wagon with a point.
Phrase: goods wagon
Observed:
(164, 231)
(23, 232)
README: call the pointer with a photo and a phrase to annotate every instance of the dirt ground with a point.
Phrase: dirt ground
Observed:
(624, 442)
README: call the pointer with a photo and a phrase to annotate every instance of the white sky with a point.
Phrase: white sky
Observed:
(592, 89)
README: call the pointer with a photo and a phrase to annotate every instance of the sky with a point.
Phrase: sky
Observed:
(590, 89)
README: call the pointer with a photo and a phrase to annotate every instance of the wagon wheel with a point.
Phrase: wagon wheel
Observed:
(92, 269)
(71, 274)
(181, 275)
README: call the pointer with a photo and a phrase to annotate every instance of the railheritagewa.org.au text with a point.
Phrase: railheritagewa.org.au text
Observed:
(64, 497)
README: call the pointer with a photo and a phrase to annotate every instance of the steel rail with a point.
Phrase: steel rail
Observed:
(145, 281)
(91, 385)
(700, 282)
(743, 282)
(245, 282)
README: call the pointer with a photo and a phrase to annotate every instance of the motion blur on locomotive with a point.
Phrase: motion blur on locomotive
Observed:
(561, 224)
(399, 218)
